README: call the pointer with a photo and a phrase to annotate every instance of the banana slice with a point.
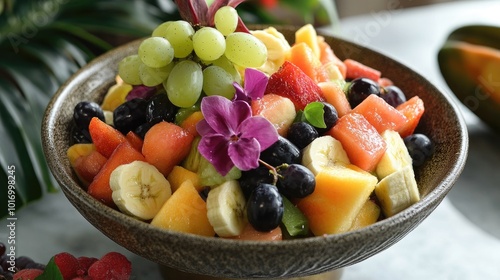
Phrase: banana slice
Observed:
(397, 191)
(139, 189)
(322, 152)
(396, 156)
(226, 209)
(276, 45)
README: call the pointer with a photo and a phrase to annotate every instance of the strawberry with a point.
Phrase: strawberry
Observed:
(291, 82)
(68, 265)
(112, 266)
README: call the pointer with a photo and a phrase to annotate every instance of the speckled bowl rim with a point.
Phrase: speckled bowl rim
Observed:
(394, 228)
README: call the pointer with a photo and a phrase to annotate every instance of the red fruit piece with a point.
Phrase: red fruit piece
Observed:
(355, 69)
(134, 140)
(105, 137)
(27, 274)
(85, 263)
(112, 266)
(67, 264)
(99, 188)
(88, 166)
(165, 145)
(412, 109)
(361, 141)
(291, 82)
(380, 114)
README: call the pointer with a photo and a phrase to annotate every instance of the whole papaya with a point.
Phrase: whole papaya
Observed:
(469, 62)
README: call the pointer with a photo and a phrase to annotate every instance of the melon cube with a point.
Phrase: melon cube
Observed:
(185, 211)
(340, 193)
(380, 114)
(361, 141)
(369, 214)
(278, 110)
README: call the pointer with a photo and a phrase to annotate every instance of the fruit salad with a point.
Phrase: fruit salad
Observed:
(216, 130)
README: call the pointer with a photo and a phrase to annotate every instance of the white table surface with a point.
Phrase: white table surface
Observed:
(459, 240)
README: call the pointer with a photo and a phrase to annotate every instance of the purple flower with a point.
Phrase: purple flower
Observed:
(231, 136)
(255, 86)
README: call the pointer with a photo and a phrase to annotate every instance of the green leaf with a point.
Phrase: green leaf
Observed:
(51, 272)
(314, 114)
(294, 220)
(16, 148)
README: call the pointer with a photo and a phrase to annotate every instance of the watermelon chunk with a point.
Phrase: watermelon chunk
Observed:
(361, 141)
(291, 82)
(412, 109)
(380, 114)
(356, 69)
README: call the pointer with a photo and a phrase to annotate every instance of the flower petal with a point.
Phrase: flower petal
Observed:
(240, 93)
(223, 115)
(259, 128)
(215, 149)
(204, 129)
(245, 153)
(255, 83)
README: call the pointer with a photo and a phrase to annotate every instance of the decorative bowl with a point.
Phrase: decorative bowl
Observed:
(256, 259)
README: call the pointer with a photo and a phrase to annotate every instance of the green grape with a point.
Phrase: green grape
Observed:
(154, 76)
(245, 50)
(161, 29)
(128, 69)
(184, 84)
(208, 43)
(226, 20)
(156, 52)
(227, 65)
(179, 34)
(216, 81)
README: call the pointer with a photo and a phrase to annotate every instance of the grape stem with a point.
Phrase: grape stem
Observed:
(274, 170)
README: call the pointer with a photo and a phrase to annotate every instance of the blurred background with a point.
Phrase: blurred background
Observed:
(348, 8)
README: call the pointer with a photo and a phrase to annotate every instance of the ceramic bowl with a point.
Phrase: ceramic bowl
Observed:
(253, 259)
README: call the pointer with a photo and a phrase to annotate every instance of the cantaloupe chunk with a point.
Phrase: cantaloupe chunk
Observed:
(189, 124)
(180, 174)
(302, 56)
(184, 211)
(368, 215)
(340, 193)
(278, 110)
(166, 145)
(335, 95)
(250, 233)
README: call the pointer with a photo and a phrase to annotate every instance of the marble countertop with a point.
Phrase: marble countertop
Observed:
(459, 240)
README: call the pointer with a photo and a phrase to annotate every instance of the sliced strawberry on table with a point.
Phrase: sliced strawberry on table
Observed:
(291, 82)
